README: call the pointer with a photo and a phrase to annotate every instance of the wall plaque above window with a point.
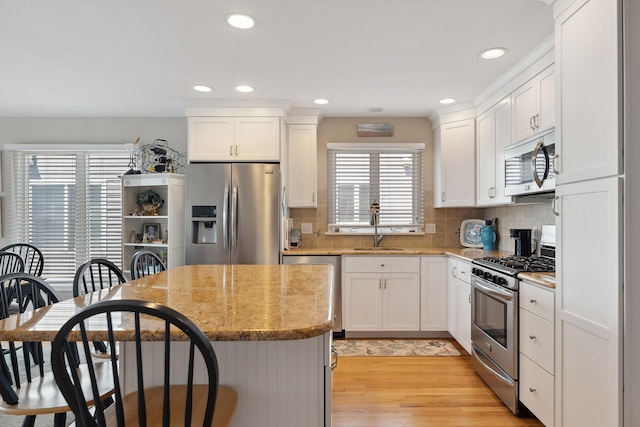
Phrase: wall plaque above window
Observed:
(375, 129)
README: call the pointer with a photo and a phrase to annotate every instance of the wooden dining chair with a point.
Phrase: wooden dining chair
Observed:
(10, 263)
(26, 388)
(145, 263)
(31, 256)
(93, 275)
(178, 401)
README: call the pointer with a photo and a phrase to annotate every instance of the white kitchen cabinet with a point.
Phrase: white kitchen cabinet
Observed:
(455, 162)
(537, 350)
(590, 283)
(587, 62)
(493, 135)
(381, 293)
(233, 139)
(459, 301)
(534, 106)
(171, 217)
(303, 168)
(589, 303)
(433, 293)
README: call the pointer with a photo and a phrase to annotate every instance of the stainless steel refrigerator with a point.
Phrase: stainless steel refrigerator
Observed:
(233, 213)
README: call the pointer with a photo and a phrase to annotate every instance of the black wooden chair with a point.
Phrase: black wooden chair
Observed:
(11, 263)
(171, 404)
(31, 256)
(26, 389)
(145, 263)
(93, 275)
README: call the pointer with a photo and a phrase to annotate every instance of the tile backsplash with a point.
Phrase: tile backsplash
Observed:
(447, 221)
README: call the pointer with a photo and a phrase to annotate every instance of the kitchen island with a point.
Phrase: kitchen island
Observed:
(270, 326)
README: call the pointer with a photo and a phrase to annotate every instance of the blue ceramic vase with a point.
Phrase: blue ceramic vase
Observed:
(488, 237)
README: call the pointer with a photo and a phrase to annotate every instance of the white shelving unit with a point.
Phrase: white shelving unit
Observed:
(170, 187)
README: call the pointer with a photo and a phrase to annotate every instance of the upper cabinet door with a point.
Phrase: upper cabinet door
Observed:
(303, 169)
(257, 139)
(455, 159)
(493, 135)
(589, 141)
(226, 139)
(210, 138)
(534, 106)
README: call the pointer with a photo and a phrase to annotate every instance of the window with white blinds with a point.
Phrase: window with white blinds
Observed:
(387, 174)
(68, 204)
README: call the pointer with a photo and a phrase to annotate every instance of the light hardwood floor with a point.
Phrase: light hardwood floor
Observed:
(415, 392)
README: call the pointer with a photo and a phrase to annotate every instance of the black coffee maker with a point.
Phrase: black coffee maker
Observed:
(522, 237)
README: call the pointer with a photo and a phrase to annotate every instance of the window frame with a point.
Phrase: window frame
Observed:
(416, 150)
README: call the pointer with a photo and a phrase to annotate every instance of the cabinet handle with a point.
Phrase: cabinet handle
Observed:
(454, 271)
(385, 284)
(554, 206)
(532, 301)
(381, 265)
(442, 196)
(532, 337)
(379, 283)
(469, 298)
(231, 150)
(532, 390)
(536, 121)
(531, 125)
(236, 150)
(313, 197)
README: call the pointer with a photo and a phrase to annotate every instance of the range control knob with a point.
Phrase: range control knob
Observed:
(501, 281)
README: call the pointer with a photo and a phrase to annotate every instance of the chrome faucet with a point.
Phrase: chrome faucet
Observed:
(374, 219)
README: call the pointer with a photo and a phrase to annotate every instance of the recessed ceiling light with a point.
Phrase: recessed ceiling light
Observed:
(375, 109)
(202, 88)
(244, 89)
(493, 53)
(240, 20)
(321, 101)
(447, 101)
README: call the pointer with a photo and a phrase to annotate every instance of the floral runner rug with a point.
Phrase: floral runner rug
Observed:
(394, 347)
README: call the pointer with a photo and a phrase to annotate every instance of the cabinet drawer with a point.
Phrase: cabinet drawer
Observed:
(537, 300)
(537, 390)
(463, 271)
(382, 264)
(537, 339)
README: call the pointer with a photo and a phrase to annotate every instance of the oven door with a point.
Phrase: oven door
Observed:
(494, 323)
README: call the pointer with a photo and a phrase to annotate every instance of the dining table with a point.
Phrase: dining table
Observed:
(270, 326)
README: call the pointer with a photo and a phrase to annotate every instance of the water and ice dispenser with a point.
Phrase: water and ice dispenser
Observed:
(203, 221)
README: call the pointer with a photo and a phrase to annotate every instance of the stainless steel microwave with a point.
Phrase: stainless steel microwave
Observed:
(529, 165)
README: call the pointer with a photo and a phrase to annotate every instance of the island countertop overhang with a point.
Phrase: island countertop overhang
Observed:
(227, 302)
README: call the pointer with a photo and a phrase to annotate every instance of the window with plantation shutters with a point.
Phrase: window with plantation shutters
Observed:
(387, 174)
(68, 204)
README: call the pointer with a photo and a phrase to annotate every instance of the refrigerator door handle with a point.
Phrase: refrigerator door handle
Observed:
(225, 222)
(234, 217)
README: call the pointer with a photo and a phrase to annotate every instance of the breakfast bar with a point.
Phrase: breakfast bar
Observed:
(270, 326)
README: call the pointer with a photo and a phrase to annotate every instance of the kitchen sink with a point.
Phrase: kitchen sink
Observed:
(379, 248)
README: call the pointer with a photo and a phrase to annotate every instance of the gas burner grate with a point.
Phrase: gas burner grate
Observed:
(520, 263)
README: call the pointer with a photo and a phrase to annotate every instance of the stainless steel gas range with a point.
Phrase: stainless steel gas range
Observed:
(494, 320)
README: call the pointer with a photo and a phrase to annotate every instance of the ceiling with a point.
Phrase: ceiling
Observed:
(141, 58)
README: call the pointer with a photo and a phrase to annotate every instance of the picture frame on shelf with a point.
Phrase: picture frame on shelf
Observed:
(151, 230)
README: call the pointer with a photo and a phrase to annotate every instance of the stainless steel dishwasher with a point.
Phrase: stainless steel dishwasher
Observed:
(336, 261)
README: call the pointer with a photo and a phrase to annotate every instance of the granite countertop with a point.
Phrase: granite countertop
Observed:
(465, 253)
(544, 279)
(229, 303)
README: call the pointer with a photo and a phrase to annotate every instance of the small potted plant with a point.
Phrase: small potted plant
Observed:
(150, 202)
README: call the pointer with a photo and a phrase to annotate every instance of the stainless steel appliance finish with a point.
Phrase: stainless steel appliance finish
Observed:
(233, 213)
(336, 262)
(494, 321)
(529, 166)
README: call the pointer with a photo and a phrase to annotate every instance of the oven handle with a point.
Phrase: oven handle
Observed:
(480, 357)
(504, 294)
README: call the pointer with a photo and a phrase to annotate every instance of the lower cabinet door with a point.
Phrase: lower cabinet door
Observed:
(362, 302)
(537, 390)
(401, 302)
